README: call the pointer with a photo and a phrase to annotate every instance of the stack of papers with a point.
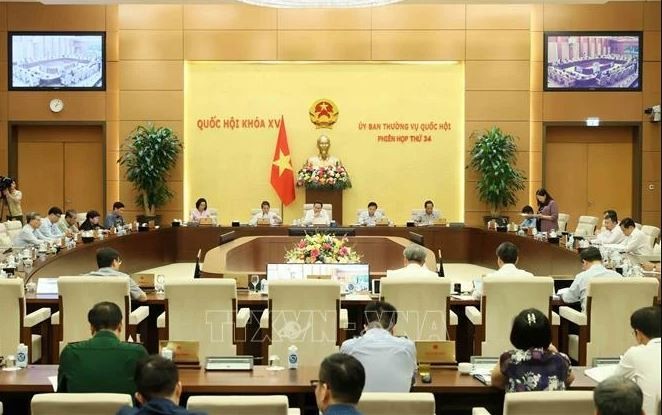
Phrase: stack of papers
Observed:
(483, 373)
(601, 373)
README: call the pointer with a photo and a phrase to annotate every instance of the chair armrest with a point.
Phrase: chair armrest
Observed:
(474, 315)
(37, 317)
(479, 411)
(243, 315)
(264, 319)
(344, 319)
(452, 318)
(573, 315)
(556, 320)
(138, 315)
(55, 318)
(161, 321)
(290, 411)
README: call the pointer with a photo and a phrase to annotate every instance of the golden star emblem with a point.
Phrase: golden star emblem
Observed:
(283, 162)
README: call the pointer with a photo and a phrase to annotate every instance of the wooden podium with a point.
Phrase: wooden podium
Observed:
(333, 197)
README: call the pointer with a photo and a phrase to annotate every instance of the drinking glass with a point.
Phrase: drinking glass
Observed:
(255, 279)
(159, 286)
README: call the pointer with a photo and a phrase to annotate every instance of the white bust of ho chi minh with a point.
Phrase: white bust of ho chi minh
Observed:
(323, 159)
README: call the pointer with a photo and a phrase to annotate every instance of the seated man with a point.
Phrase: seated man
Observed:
(27, 235)
(529, 221)
(103, 363)
(109, 261)
(91, 222)
(642, 363)
(49, 231)
(114, 219)
(429, 217)
(636, 242)
(371, 217)
(67, 224)
(611, 232)
(317, 215)
(593, 268)
(266, 215)
(340, 385)
(158, 389)
(507, 257)
(414, 261)
(618, 396)
(379, 345)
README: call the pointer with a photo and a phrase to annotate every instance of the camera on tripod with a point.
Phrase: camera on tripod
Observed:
(5, 184)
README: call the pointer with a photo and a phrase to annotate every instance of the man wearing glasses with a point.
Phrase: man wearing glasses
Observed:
(340, 384)
(109, 261)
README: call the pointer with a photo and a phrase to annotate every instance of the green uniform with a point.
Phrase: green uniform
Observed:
(100, 364)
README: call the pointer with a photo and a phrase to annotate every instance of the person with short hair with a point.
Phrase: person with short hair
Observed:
(534, 364)
(641, 363)
(529, 221)
(200, 210)
(109, 262)
(592, 268)
(92, 218)
(115, 219)
(371, 216)
(27, 235)
(414, 261)
(340, 384)
(265, 214)
(636, 242)
(158, 389)
(378, 345)
(317, 215)
(13, 196)
(103, 363)
(507, 258)
(617, 395)
(429, 216)
(48, 230)
(67, 224)
(611, 232)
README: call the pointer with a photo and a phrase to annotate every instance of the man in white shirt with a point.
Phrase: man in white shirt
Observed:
(266, 216)
(49, 229)
(507, 257)
(414, 261)
(642, 363)
(27, 235)
(429, 217)
(109, 262)
(593, 268)
(317, 216)
(611, 233)
(389, 361)
(372, 216)
(637, 242)
(68, 224)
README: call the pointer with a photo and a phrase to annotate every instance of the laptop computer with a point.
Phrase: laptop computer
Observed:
(47, 286)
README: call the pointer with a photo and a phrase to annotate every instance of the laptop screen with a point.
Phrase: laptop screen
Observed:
(47, 286)
(357, 274)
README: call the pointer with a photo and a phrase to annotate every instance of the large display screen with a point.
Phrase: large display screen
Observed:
(57, 60)
(593, 61)
(356, 275)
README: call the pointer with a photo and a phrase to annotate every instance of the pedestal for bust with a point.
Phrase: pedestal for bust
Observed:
(333, 197)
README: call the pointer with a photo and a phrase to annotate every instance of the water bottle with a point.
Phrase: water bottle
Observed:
(22, 355)
(265, 286)
(292, 357)
(166, 353)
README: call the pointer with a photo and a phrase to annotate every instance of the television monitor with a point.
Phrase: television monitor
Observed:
(57, 61)
(358, 275)
(303, 231)
(593, 61)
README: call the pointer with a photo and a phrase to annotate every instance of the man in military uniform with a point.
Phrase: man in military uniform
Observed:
(103, 363)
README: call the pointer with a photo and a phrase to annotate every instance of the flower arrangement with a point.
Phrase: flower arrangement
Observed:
(322, 248)
(332, 177)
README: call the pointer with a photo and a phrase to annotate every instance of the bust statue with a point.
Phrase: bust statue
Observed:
(323, 158)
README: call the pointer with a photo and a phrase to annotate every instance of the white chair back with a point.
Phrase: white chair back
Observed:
(359, 212)
(5, 239)
(80, 217)
(380, 403)
(418, 212)
(549, 403)
(255, 211)
(326, 206)
(422, 305)
(239, 405)
(653, 232)
(79, 403)
(13, 228)
(586, 225)
(213, 214)
(12, 304)
(563, 221)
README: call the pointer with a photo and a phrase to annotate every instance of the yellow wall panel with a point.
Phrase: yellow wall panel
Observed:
(324, 19)
(497, 75)
(651, 136)
(151, 75)
(3, 16)
(112, 135)
(112, 76)
(150, 16)
(4, 82)
(3, 105)
(608, 16)
(536, 76)
(150, 45)
(35, 16)
(651, 218)
(419, 17)
(498, 45)
(577, 106)
(112, 105)
(535, 134)
(519, 129)
(522, 163)
(537, 47)
(230, 45)
(3, 135)
(418, 45)
(78, 106)
(112, 18)
(126, 127)
(113, 191)
(535, 167)
(112, 46)
(537, 20)
(3, 47)
(497, 105)
(324, 45)
(651, 76)
(112, 168)
(536, 113)
(652, 45)
(157, 105)
(650, 199)
(229, 17)
(650, 166)
(498, 16)
(652, 15)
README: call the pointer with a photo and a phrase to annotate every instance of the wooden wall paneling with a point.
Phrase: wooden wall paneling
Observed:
(3, 16)
(148, 105)
(229, 17)
(607, 16)
(498, 45)
(125, 126)
(324, 19)
(78, 106)
(650, 197)
(613, 161)
(4, 53)
(536, 79)
(150, 44)
(112, 76)
(324, 45)
(42, 187)
(651, 218)
(650, 168)
(651, 136)
(519, 129)
(231, 45)
(652, 45)
(36, 16)
(497, 75)
(112, 18)
(497, 105)
(112, 46)
(419, 17)
(566, 163)
(577, 106)
(84, 191)
(651, 15)
(152, 75)
(418, 45)
(498, 16)
(150, 16)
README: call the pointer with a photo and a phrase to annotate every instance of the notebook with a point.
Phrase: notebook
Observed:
(47, 286)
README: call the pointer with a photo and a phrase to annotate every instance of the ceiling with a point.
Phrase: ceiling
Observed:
(238, 2)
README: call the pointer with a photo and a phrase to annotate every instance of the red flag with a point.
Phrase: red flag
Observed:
(282, 175)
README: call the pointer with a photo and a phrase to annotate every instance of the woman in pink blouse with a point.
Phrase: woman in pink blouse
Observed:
(548, 211)
(200, 210)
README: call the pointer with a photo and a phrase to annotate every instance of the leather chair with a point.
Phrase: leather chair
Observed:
(546, 403)
(414, 403)
(255, 211)
(359, 212)
(204, 310)
(586, 225)
(16, 327)
(504, 298)
(80, 217)
(13, 228)
(423, 307)
(241, 405)
(213, 214)
(5, 240)
(563, 220)
(79, 403)
(418, 212)
(604, 328)
(326, 206)
(652, 232)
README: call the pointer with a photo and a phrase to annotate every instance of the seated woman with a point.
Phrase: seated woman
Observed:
(200, 210)
(529, 221)
(534, 364)
(91, 222)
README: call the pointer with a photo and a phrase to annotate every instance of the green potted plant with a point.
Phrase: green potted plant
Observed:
(148, 154)
(493, 157)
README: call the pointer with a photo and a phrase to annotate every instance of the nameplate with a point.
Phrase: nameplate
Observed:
(318, 277)
(206, 221)
(184, 353)
(144, 279)
(263, 222)
(435, 352)
(241, 279)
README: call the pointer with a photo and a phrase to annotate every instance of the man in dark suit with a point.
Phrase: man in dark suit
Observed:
(340, 384)
(103, 363)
